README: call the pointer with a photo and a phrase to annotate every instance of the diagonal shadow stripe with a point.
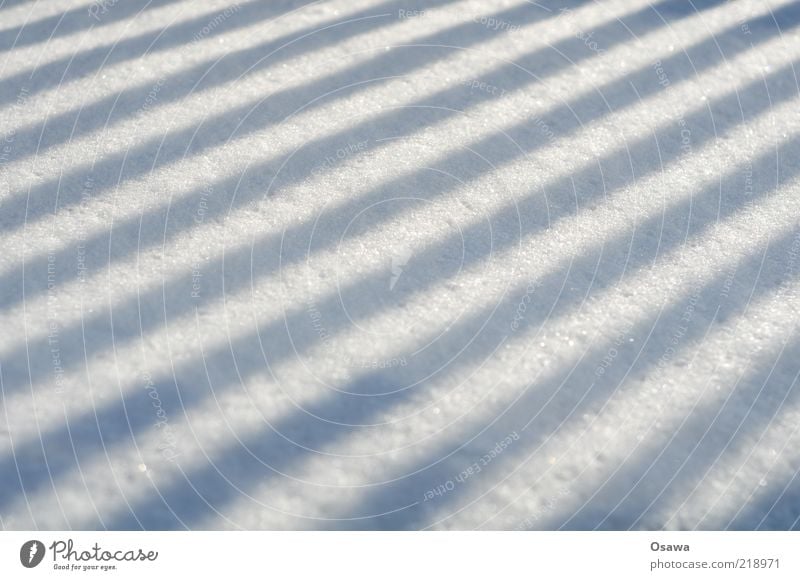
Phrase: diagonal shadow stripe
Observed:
(231, 363)
(11, 3)
(262, 456)
(221, 360)
(161, 224)
(148, 311)
(66, 191)
(546, 402)
(72, 21)
(71, 124)
(776, 508)
(652, 475)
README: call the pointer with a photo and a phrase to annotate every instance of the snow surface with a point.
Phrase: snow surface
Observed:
(383, 264)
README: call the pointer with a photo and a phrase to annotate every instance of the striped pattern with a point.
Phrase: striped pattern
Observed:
(382, 264)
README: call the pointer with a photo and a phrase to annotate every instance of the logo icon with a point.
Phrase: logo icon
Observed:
(31, 553)
(400, 258)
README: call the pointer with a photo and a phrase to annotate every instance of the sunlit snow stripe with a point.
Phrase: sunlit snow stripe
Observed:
(680, 264)
(98, 33)
(563, 84)
(32, 13)
(550, 241)
(637, 423)
(240, 151)
(745, 467)
(684, 263)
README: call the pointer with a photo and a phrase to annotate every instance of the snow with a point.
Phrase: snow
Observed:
(382, 264)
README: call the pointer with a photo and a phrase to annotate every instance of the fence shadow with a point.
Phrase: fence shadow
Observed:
(473, 338)
(229, 364)
(776, 508)
(258, 114)
(662, 473)
(72, 21)
(163, 223)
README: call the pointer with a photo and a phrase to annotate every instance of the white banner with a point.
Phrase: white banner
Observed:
(400, 555)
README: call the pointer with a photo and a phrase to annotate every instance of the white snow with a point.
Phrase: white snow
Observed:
(384, 264)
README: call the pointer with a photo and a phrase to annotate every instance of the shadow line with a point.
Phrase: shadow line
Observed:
(235, 270)
(228, 68)
(285, 443)
(639, 493)
(157, 226)
(66, 191)
(776, 508)
(302, 336)
(230, 364)
(586, 392)
(371, 386)
(72, 21)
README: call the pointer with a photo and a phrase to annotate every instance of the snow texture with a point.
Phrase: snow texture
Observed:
(398, 264)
